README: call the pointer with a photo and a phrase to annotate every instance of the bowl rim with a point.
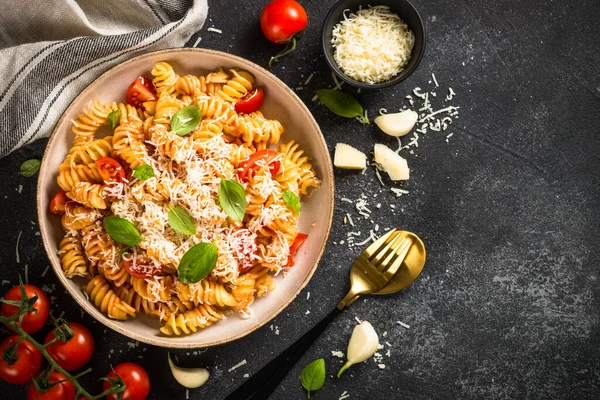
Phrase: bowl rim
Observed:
(162, 341)
(371, 86)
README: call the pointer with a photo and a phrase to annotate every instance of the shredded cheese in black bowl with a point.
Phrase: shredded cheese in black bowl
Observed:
(373, 44)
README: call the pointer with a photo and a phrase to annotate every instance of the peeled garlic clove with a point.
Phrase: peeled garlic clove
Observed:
(397, 124)
(189, 377)
(392, 163)
(363, 344)
(348, 157)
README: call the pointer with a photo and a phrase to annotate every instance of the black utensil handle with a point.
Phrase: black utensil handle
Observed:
(263, 383)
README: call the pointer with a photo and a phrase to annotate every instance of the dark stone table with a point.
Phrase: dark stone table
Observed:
(508, 303)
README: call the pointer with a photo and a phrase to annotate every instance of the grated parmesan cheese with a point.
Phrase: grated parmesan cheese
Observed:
(17, 249)
(403, 324)
(372, 45)
(337, 353)
(236, 366)
(307, 81)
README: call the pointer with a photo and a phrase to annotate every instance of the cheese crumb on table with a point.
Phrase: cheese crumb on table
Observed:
(236, 366)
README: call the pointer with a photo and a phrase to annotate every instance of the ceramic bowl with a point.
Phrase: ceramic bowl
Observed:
(403, 8)
(280, 103)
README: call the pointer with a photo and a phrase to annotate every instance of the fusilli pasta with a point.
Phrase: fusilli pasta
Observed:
(100, 176)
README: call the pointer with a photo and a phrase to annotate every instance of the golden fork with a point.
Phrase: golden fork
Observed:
(375, 271)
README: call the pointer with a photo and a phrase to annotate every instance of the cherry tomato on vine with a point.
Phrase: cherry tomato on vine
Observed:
(251, 101)
(249, 165)
(143, 268)
(76, 352)
(140, 90)
(136, 379)
(32, 322)
(282, 19)
(62, 391)
(58, 203)
(110, 170)
(28, 363)
(300, 238)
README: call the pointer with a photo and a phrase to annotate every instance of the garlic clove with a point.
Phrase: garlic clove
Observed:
(189, 377)
(363, 344)
(397, 124)
(348, 157)
(395, 166)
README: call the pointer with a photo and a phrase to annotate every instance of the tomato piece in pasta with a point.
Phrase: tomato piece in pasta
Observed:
(58, 203)
(250, 165)
(140, 267)
(251, 101)
(300, 238)
(110, 170)
(245, 248)
(140, 90)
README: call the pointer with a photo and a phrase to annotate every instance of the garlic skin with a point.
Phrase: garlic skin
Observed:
(190, 378)
(363, 344)
(397, 124)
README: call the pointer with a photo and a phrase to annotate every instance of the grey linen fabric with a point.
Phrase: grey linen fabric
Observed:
(50, 50)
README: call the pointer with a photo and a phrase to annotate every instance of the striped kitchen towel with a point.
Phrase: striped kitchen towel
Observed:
(50, 50)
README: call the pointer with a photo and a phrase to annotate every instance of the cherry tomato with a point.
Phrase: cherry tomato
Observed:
(144, 267)
(58, 203)
(249, 166)
(32, 322)
(282, 19)
(28, 364)
(300, 238)
(136, 379)
(75, 353)
(62, 391)
(251, 101)
(110, 170)
(245, 248)
(140, 90)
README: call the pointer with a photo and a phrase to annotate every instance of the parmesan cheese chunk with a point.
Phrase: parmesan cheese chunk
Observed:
(397, 124)
(348, 157)
(391, 162)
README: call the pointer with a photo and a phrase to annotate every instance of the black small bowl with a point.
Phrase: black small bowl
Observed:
(404, 9)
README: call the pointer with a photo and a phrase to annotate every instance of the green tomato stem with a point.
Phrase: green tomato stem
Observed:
(289, 47)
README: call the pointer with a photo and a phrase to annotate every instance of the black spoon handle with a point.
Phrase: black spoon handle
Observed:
(265, 381)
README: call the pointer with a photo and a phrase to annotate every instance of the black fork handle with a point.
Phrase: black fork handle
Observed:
(262, 384)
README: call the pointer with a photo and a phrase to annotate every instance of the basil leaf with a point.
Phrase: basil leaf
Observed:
(291, 200)
(197, 263)
(143, 172)
(186, 120)
(122, 231)
(232, 198)
(30, 167)
(114, 119)
(181, 221)
(341, 103)
(313, 376)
